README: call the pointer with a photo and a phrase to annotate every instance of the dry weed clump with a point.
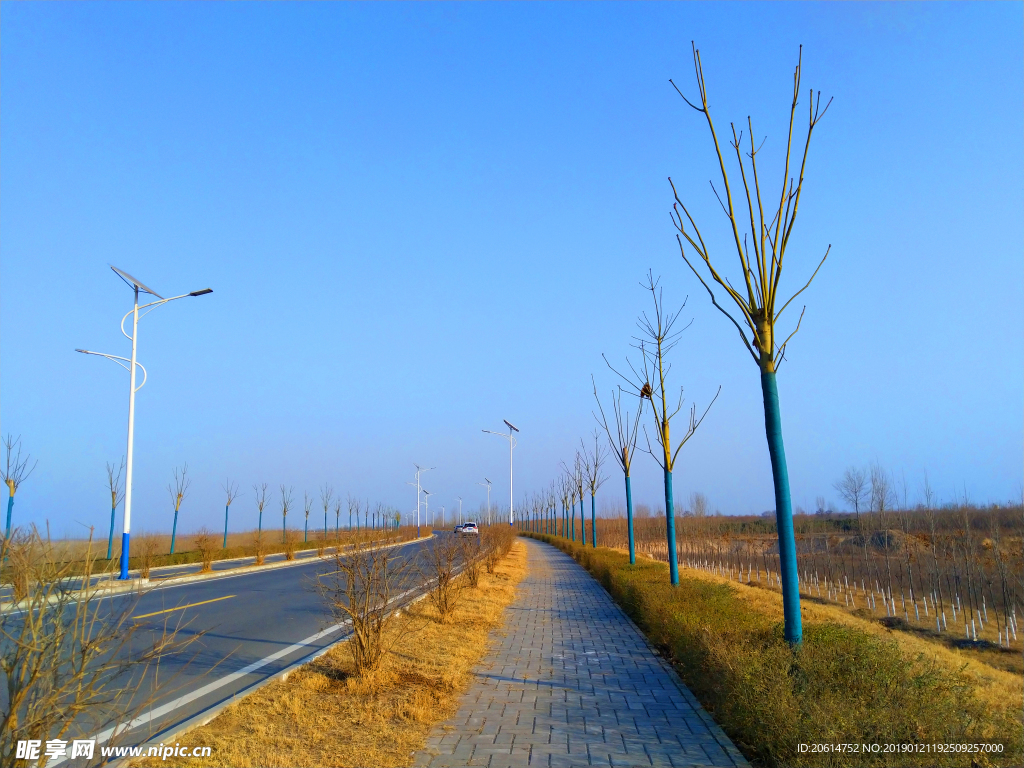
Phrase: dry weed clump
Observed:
(147, 547)
(325, 714)
(205, 542)
(289, 545)
(844, 684)
(259, 549)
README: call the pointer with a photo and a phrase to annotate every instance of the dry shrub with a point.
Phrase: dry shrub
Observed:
(147, 546)
(19, 552)
(472, 553)
(206, 543)
(259, 549)
(443, 557)
(496, 541)
(64, 668)
(321, 543)
(289, 545)
(360, 587)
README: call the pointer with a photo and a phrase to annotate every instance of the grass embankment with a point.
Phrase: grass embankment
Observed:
(323, 715)
(852, 681)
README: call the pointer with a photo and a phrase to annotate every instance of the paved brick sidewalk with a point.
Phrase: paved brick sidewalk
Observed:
(571, 681)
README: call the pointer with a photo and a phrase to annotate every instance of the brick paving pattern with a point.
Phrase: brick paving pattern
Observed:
(571, 681)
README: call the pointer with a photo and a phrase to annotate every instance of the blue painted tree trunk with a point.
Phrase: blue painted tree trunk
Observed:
(593, 520)
(226, 508)
(10, 510)
(284, 528)
(670, 529)
(572, 521)
(174, 530)
(305, 532)
(325, 525)
(629, 523)
(783, 509)
(259, 528)
(110, 538)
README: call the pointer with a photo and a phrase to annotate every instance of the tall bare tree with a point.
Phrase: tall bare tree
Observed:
(116, 497)
(326, 494)
(648, 380)
(231, 493)
(770, 229)
(852, 486)
(178, 491)
(593, 461)
(14, 472)
(623, 446)
(307, 505)
(286, 504)
(261, 501)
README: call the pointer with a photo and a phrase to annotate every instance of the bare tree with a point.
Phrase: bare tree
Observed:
(286, 504)
(307, 505)
(14, 472)
(770, 229)
(648, 380)
(852, 486)
(231, 492)
(116, 497)
(178, 491)
(699, 504)
(623, 446)
(261, 502)
(593, 460)
(326, 494)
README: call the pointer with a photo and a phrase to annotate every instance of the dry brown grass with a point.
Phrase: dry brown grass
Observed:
(324, 715)
(995, 687)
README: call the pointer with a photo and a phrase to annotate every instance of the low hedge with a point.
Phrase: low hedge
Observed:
(841, 686)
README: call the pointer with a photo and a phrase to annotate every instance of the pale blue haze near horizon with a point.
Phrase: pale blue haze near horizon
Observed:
(421, 219)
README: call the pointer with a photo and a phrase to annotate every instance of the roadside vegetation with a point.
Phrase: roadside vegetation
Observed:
(850, 681)
(71, 662)
(373, 699)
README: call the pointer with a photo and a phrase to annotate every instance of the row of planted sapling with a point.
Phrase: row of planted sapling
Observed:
(152, 549)
(760, 231)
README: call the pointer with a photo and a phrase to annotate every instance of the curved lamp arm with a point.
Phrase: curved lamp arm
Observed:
(119, 360)
(154, 304)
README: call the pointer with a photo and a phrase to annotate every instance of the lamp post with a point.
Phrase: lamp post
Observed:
(132, 389)
(460, 509)
(487, 484)
(426, 507)
(511, 445)
(419, 471)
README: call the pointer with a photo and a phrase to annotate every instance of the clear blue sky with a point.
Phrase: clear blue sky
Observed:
(421, 219)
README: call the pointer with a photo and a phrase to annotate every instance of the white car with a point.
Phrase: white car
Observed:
(469, 529)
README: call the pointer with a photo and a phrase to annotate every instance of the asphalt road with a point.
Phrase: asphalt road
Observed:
(246, 628)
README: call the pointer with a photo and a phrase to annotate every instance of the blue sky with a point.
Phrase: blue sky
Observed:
(421, 219)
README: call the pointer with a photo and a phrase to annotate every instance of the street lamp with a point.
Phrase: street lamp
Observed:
(426, 507)
(460, 509)
(132, 389)
(511, 445)
(419, 470)
(487, 485)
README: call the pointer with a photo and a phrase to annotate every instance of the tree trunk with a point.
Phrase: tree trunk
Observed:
(629, 523)
(670, 529)
(783, 509)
